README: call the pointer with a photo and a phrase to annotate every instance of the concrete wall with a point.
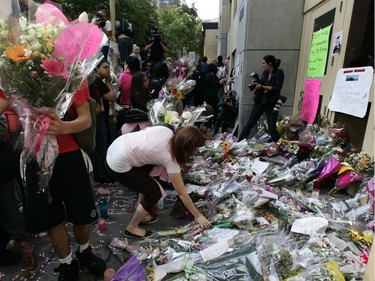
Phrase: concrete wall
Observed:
(264, 29)
(210, 44)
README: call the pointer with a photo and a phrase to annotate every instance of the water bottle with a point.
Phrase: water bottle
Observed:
(161, 204)
(103, 208)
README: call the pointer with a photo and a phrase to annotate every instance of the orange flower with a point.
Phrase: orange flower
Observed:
(17, 53)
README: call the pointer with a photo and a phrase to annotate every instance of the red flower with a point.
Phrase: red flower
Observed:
(53, 67)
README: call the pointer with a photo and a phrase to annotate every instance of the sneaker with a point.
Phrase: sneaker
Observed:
(93, 263)
(68, 272)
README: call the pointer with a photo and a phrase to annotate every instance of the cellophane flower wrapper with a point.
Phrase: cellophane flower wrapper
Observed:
(241, 264)
(132, 270)
(45, 60)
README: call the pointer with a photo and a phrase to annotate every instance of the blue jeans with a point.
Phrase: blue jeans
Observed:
(255, 114)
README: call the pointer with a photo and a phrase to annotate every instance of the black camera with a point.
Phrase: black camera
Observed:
(100, 20)
(281, 99)
(155, 34)
(256, 80)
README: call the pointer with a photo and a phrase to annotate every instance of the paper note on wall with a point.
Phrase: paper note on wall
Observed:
(351, 92)
(310, 100)
(319, 52)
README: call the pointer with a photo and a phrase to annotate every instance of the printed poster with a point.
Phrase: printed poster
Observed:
(351, 92)
(319, 52)
(310, 100)
(336, 43)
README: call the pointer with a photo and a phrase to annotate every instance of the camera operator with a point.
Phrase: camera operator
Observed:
(156, 46)
(266, 96)
(105, 26)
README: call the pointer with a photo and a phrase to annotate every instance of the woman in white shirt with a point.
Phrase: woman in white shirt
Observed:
(131, 157)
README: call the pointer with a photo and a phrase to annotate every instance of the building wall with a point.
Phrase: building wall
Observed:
(262, 31)
(284, 29)
(210, 44)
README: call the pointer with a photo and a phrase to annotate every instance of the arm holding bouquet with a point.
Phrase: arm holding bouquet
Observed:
(82, 122)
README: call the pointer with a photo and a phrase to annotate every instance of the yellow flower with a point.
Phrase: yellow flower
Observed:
(355, 235)
(226, 146)
(178, 95)
(368, 237)
(17, 53)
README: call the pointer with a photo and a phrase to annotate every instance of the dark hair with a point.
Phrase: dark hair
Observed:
(270, 59)
(161, 70)
(100, 64)
(185, 142)
(220, 58)
(137, 82)
(212, 68)
(133, 64)
(101, 7)
(204, 59)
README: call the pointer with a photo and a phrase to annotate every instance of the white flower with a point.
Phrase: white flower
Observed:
(186, 115)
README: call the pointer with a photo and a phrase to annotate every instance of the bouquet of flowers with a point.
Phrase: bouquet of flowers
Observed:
(44, 61)
(169, 107)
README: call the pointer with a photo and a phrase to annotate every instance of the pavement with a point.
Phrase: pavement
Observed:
(120, 203)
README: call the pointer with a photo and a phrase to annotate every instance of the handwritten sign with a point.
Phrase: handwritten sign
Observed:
(319, 52)
(352, 90)
(310, 100)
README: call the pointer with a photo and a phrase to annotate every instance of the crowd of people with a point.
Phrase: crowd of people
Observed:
(125, 150)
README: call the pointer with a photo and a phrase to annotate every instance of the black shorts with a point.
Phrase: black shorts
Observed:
(71, 192)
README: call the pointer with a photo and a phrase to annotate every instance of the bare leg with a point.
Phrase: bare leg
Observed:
(139, 214)
(59, 239)
(81, 233)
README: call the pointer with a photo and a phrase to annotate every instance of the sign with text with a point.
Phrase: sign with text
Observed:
(319, 52)
(310, 100)
(351, 92)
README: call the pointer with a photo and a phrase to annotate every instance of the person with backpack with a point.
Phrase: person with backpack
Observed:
(71, 192)
(131, 158)
(157, 80)
(124, 40)
(125, 82)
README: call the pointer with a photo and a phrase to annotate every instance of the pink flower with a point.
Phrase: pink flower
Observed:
(53, 67)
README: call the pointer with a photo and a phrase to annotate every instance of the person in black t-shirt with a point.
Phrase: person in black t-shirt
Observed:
(157, 47)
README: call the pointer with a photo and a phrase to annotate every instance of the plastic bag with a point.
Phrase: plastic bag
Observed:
(132, 270)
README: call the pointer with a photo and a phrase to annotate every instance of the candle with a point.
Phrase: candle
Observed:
(102, 224)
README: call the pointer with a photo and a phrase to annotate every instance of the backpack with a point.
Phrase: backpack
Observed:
(155, 85)
(86, 138)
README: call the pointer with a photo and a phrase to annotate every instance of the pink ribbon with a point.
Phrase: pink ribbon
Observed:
(41, 123)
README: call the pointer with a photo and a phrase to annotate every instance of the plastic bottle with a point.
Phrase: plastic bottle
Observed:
(161, 204)
(103, 208)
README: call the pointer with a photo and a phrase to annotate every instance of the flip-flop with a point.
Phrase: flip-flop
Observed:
(129, 234)
(151, 221)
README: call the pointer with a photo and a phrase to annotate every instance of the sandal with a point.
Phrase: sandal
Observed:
(151, 221)
(129, 234)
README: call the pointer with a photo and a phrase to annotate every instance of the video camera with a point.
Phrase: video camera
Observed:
(281, 99)
(100, 19)
(155, 34)
(256, 80)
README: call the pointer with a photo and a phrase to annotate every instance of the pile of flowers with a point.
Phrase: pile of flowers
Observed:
(43, 64)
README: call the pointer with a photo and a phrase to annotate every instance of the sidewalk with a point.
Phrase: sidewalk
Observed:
(119, 216)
